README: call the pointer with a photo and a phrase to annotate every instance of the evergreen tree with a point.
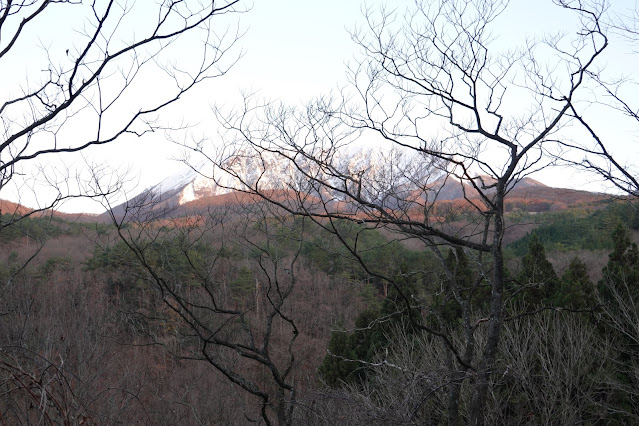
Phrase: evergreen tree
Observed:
(337, 367)
(538, 275)
(243, 284)
(623, 261)
(575, 287)
(635, 218)
(620, 280)
(460, 278)
(619, 291)
(350, 354)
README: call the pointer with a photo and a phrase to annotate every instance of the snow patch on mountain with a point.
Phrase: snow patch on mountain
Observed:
(175, 182)
(379, 175)
(388, 178)
(201, 186)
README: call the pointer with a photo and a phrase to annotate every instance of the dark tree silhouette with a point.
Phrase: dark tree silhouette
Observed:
(433, 92)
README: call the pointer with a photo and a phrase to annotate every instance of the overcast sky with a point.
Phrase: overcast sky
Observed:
(294, 50)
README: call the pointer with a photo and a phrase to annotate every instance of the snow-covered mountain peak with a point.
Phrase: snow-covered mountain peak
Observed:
(176, 181)
(387, 178)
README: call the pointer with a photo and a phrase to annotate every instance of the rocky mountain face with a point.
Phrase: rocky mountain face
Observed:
(385, 178)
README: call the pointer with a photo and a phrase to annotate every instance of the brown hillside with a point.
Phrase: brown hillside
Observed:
(11, 208)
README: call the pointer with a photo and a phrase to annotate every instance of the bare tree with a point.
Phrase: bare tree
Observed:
(554, 368)
(440, 103)
(88, 88)
(612, 92)
(86, 85)
(224, 279)
(58, 362)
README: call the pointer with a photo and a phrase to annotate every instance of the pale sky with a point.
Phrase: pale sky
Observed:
(294, 50)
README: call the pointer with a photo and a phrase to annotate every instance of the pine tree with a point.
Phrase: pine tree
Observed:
(337, 366)
(351, 353)
(537, 274)
(575, 287)
(619, 292)
(623, 261)
(461, 279)
(621, 273)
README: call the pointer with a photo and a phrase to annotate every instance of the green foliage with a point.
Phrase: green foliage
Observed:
(575, 288)
(281, 237)
(230, 252)
(619, 291)
(634, 225)
(537, 276)
(350, 353)
(10, 267)
(121, 269)
(462, 278)
(327, 254)
(42, 227)
(111, 258)
(63, 263)
(31, 227)
(622, 269)
(337, 367)
(390, 259)
(462, 284)
(330, 255)
(179, 260)
(370, 296)
(573, 230)
(243, 284)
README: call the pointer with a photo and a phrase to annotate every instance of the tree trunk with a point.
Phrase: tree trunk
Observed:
(495, 322)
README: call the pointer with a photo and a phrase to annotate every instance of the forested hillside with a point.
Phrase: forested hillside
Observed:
(97, 333)
(377, 251)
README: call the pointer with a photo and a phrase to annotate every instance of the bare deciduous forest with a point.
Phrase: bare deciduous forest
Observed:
(381, 256)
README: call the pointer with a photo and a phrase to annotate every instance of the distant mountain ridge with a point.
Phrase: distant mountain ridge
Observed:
(390, 178)
(17, 210)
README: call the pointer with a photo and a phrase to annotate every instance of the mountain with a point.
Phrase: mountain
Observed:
(388, 179)
(17, 210)
(201, 185)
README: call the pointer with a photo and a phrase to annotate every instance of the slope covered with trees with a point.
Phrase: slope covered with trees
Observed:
(320, 290)
(104, 336)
